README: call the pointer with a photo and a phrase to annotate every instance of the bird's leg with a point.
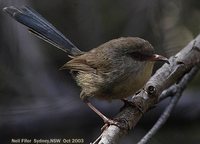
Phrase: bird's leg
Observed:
(106, 120)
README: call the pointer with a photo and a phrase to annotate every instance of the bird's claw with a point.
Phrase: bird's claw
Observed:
(120, 123)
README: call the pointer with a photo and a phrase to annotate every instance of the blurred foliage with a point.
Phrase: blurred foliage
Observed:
(37, 100)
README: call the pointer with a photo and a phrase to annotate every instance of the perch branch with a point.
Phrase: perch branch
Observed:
(179, 88)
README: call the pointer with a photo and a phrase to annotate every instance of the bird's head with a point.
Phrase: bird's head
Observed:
(138, 49)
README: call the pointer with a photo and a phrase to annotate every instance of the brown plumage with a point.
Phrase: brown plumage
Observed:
(114, 70)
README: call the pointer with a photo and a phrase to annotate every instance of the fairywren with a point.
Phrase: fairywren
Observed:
(114, 70)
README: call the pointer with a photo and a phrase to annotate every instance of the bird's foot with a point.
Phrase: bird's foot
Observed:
(121, 123)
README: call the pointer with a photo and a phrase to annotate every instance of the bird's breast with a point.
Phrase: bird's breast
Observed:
(134, 80)
(121, 83)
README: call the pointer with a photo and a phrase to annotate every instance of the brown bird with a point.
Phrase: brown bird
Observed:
(114, 70)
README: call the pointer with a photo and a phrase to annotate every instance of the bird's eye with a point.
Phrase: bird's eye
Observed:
(138, 56)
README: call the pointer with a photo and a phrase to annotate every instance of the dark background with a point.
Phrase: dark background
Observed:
(39, 101)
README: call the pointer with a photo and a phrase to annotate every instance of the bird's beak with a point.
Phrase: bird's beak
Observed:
(156, 57)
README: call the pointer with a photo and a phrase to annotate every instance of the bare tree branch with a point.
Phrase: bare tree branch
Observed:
(165, 77)
(179, 88)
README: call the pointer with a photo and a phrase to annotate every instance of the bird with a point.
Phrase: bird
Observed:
(116, 69)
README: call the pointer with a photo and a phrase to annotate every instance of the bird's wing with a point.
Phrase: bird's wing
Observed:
(78, 64)
(89, 62)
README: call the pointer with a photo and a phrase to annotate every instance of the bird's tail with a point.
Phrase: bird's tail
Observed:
(42, 28)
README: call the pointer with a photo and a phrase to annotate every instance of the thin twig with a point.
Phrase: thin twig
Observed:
(163, 118)
(171, 91)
